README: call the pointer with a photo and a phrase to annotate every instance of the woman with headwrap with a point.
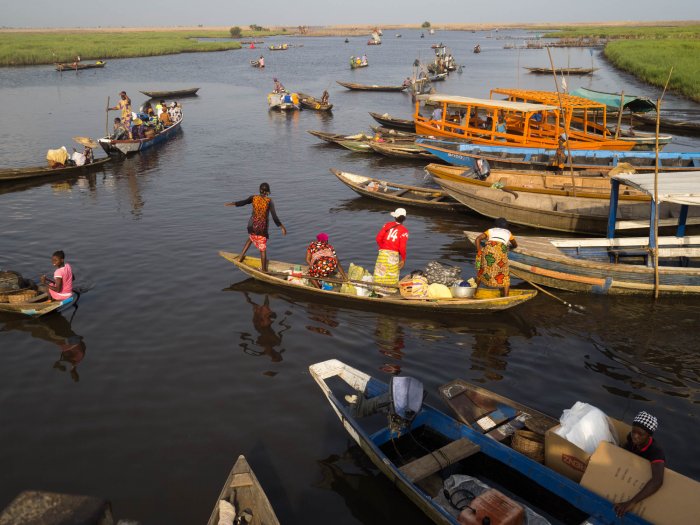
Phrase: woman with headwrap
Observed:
(322, 259)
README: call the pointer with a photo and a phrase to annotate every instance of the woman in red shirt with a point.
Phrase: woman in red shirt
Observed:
(391, 240)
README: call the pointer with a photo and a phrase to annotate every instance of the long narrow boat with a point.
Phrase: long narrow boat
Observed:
(540, 159)
(363, 144)
(15, 174)
(393, 122)
(669, 125)
(562, 70)
(382, 130)
(426, 452)
(619, 265)
(131, 146)
(402, 151)
(403, 194)
(178, 93)
(80, 66)
(243, 490)
(484, 301)
(310, 102)
(39, 306)
(365, 87)
(333, 138)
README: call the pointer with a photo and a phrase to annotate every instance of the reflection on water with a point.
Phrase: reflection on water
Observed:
(55, 329)
(268, 339)
(390, 341)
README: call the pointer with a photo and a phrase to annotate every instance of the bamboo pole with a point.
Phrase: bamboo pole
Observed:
(107, 119)
(656, 188)
(561, 109)
(619, 114)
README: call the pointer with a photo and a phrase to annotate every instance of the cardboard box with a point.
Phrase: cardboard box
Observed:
(617, 475)
(569, 460)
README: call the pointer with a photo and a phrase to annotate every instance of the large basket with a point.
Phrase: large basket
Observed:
(530, 444)
(21, 297)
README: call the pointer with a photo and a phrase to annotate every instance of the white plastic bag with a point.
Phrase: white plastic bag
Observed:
(586, 427)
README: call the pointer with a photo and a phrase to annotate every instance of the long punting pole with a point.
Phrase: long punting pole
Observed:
(656, 189)
(619, 114)
(107, 119)
(561, 108)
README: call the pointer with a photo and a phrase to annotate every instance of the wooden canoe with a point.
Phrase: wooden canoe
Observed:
(393, 122)
(39, 306)
(373, 87)
(391, 132)
(80, 66)
(363, 144)
(331, 138)
(403, 194)
(15, 174)
(178, 93)
(584, 265)
(485, 300)
(434, 453)
(562, 70)
(243, 490)
(309, 102)
(402, 151)
(668, 125)
(131, 146)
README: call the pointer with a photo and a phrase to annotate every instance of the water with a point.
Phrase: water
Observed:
(183, 364)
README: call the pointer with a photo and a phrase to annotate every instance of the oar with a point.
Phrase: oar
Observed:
(332, 280)
(576, 307)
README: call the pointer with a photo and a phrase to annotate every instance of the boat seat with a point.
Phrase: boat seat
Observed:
(439, 459)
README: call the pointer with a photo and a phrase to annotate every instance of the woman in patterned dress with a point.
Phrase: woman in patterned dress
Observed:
(257, 225)
(322, 259)
(492, 259)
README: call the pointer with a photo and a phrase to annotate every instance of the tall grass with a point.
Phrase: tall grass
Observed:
(689, 31)
(651, 60)
(20, 49)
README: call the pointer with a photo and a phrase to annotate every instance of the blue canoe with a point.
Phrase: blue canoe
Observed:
(131, 146)
(40, 306)
(437, 446)
(538, 159)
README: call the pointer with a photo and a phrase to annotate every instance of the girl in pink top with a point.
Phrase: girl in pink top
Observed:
(62, 287)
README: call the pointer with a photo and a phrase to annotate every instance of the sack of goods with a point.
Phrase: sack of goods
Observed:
(414, 286)
(442, 273)
(439, 291)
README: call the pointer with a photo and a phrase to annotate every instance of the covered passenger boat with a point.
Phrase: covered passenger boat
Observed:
(622, 265)
(443, 465)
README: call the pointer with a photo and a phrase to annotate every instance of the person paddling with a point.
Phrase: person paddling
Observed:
(258, 223)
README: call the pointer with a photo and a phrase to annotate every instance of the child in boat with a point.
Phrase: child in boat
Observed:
(492, 259)
(62, 286)
(258, 223)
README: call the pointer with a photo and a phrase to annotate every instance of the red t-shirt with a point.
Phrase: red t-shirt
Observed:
(393, 236)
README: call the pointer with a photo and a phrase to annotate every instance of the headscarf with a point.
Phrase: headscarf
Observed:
(322, 237)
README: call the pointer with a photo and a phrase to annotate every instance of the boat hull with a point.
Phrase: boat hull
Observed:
(39, 308)
(179, 93)
(132, 146)
(44, 171)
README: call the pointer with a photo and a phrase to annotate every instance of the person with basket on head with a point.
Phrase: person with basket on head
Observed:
(492, 267)
(61, 287)
(391, 240)
(258, 223)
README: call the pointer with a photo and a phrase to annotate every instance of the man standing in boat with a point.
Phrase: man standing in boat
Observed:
(391, 240)
(258, 223)
(125, 106)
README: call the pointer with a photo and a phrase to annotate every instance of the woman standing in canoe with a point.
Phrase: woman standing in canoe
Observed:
(258, 223)
(492, 260)
(391, 241)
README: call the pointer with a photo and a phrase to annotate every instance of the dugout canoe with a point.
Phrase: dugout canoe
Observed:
(392, 122)
(80, 66)
(366, 87)
(562, 70)
(178, 93)
(310, 102)
(402, 151)
(382, 130)
(243, 490)
(669, 125)
(15, 174)
(485, 300)
(403, 194)
(426, 453)
(131, 146)
(40, 305)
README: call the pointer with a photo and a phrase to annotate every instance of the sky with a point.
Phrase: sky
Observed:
(137, 13)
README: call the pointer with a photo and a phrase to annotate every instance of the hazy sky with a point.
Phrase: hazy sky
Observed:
(93, 13)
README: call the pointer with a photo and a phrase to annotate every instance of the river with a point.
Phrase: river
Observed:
(174, 363)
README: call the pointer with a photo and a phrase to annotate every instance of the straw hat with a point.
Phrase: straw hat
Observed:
(86, 141)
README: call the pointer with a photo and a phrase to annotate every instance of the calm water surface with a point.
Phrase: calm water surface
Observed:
(182, 364)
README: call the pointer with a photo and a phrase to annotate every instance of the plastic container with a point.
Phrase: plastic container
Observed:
(463, 292)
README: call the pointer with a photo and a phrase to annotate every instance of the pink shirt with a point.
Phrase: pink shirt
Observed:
(65, 273)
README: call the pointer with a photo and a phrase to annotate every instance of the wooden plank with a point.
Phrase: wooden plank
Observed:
(430, 463)
(639, 224)
(241, 480)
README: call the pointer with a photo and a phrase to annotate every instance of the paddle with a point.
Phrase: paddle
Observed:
(576, 307)
(332, 280)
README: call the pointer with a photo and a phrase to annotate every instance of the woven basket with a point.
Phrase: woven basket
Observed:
(530, 444)
(21, 297)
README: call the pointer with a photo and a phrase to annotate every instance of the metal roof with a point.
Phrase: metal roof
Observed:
(550, 97)
(485, 102)
(680, 187)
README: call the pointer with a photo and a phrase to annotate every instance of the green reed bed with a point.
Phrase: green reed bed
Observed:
(23, 49)
(651, 60)
(689, 31)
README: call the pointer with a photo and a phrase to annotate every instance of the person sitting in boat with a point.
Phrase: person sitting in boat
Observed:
(175, 111)
(58, 158)
(640, 441)
(165, 119)
(322, 259)
(120, 131)
(138, 130)
(261, 61)
(78, 158)
(160, 107)
(279, 88)
(89, 155)
(324, 97)
(407, 82)
(501, 128)
(61, 287)
(391, 240)
(492, 259)
(258, 234)
(437, 113)
(364, 60)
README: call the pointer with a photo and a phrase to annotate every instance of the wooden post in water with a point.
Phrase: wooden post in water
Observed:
(561, 109)
(619, 114)
(656, 188)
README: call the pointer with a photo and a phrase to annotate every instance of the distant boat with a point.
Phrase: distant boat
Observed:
(422, 35)
(81, 65)
(398, 35)
(374, 87)
(562, 70)
(477, 48)
(178, 93)
(392, 122)
(347, 40)
(283, 101)
(310, 102)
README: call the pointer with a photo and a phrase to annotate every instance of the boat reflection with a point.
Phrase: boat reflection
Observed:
(389, 338)
(55, 329)
(268, 339)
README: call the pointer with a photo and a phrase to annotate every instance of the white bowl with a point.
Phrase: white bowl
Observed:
(463, 292)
